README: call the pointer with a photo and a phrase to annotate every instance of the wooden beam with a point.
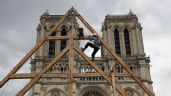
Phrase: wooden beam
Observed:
(122, 92)
(113, 83)
(67, 38)
(140, 83)
(70, 67)
(95, 66)
(20, 64)
(63, 75)
(24, 76)
(58, 37)
(126, 67)
(59, 23)
(40, 74)
(33, 50)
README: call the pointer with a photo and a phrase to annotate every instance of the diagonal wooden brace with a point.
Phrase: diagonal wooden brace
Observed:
(40, 74)
(20, 64)
(119, 89)
(115, 56)
(34, 49)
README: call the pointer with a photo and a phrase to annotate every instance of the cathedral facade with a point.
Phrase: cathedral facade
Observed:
(123, 33)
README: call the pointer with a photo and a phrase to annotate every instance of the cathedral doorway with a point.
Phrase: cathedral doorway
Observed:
(93, 91)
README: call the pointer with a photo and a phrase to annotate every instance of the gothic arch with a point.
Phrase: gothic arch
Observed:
(58, 91)
(93, 90)
(52, 44)
(66, 27)
(118, 27)
(63, 32)
(132, 91)
(117, 41)
(127, 26)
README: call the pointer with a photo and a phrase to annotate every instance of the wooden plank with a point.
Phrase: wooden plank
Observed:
(58, 37)
(122, 92)
(20, 64)
(115, 56)
(62, 75)
(33, 50)
(40, 74)
(113, 83)
(126, 67)
(95, 66)
(70, 67)
(67, 38)
(59, 23)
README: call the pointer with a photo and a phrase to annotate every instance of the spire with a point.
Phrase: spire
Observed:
(130, 12)
(46, 12)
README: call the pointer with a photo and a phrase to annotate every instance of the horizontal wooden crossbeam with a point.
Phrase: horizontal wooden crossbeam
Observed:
(67, 37)
(63, 75)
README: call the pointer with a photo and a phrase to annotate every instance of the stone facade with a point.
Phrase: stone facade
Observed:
(123, 33)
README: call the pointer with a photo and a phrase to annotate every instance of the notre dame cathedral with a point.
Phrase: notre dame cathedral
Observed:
(123, 33)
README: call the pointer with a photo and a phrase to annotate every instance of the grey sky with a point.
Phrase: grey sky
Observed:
(19, 19)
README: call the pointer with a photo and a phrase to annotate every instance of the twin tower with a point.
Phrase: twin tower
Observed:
(123, 33)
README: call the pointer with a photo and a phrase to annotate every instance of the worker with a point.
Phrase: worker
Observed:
(95, 44)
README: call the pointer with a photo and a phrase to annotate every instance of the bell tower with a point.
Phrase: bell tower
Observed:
(51, 48)
(123, 33)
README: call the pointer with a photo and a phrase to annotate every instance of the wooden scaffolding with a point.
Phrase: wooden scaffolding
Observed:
(108, 76)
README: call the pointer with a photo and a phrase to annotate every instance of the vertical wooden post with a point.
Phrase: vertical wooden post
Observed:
(113, 83)
(70, 67)
(71, 58)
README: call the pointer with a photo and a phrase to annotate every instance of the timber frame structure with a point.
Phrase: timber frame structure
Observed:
(108, 76)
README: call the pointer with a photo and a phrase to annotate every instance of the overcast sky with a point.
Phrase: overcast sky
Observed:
(19, 19)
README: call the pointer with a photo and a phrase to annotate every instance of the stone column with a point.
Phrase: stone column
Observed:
(133, 39)
(112, 38)
(122, 42)
(109, 37)
(58, 42)
(141, 42)
(138, 41)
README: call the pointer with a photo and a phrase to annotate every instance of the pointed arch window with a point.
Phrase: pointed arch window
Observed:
(127, 42)
(117, 42)
(52, 46)
(63, 42)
